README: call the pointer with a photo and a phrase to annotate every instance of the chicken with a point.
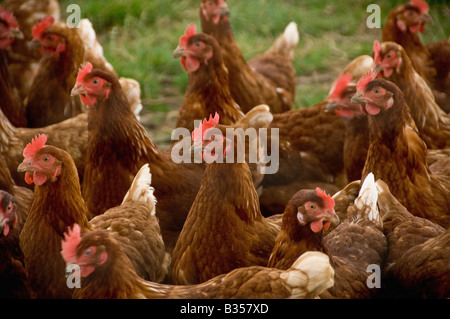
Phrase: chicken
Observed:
(268, 78)
(310, 143)
(441, 166)
(392, 62)
(207, 90)
(440, 51)
(70, 135)
(431, 62)
(58, 204)
(119, 145)
(24, 61)
(224, 229)
(417, 265)
(22, 195)
(63, 51)
(110, 275)
(11, 103)
(14, 283)
(342, 201)
(397, 154)
(352, 246)
(94, 52)
(356, 140)
(319, 147)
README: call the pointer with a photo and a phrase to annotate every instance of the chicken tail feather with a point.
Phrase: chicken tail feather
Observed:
(319, 275)
(367, 200)
(286, 42)
(140, 190)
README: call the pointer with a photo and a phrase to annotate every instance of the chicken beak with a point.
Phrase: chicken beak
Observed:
(358, 98)
(25, 166)
(426, 18)
(333, 217)
(378, 68)
(223, 10)
(77, 90)
(33, 45)
(179, 52)
(331, 106)
(16, 33)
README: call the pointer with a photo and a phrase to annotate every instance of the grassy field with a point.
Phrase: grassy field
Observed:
(139, 37)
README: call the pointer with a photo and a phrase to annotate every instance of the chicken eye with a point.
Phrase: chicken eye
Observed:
(95, 81)
(377, 91)
(9, 207)
(88, 252)
(46, 159)
(198, 44)
(311, 206)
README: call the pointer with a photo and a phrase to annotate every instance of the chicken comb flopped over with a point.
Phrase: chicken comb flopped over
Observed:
(84, 70)
(70, 243)
(197, 134)
(35, 145)
(340, 85)
(421, 5)
(189, 32)
(376, 52)
(8, 17)
(328, 201)
(42, 25)
(365, 79)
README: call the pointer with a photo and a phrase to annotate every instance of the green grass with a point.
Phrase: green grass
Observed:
(139, 36)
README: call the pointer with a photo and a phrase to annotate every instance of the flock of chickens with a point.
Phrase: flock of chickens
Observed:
(359, 208)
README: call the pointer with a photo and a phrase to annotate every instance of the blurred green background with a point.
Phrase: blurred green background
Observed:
(139, 36)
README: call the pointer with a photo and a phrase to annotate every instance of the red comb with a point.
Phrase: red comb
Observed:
(340, 85)
(8, 17)
(189, 32)
(41, 26)
(197, 134)
(84, 70)
(328, 201)
(70, 243)
(376, 52)
(365, 79)
(35, 145)
(421, 5)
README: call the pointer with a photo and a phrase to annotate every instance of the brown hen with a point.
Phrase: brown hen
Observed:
(113, 276)
(433, 124)
(397, 155)
(417, 264)
(224, 229)
(266, 79)
(403, 25)
(63, 51)
(352, 246)
(207, 90)
(58, 204)
(13, 278)
(11, 104)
